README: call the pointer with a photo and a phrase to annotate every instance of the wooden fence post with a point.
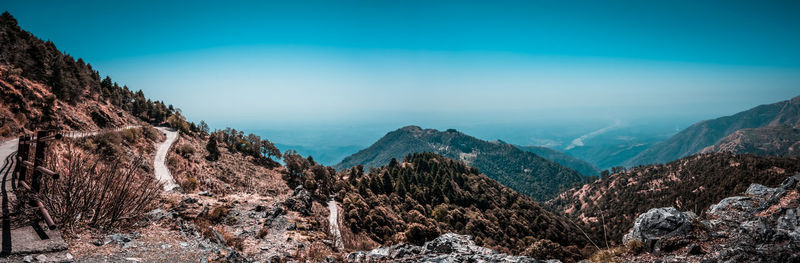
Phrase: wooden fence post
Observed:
(38, 160)
(23, 152)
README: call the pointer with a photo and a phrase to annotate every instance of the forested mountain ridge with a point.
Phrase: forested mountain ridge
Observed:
(44, 88)
(778, 140)
(707, 133)
(522, 171)
(689, 184)
(424, 195)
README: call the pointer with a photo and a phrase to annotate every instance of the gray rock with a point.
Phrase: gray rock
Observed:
(41, 258)
(120, 238)
(455, 243)
(732, 207)
(156, 214)
(100, 242)
(205, 193)
(791, 182)
(760, 191)
(657, 224)
(300, 201)
(446, 248)
(27, 258)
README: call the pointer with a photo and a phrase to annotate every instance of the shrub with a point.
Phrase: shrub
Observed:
(213, 150)
(108, 144)
(418, 234)
(635, 246)
(190, 184)
(263, 232)
(5, 131)
(185, 150)
(98, 194)
(130, 135)
(218, 214)
(608, 255)
(172, 161)
(151, 133)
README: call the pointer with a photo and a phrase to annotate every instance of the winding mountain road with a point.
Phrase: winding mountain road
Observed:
(159, 163)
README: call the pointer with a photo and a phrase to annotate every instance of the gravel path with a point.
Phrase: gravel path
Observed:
(333, 221)
(162, 173)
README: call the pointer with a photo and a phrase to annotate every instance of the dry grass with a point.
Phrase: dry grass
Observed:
(190, 184)
(609, 255)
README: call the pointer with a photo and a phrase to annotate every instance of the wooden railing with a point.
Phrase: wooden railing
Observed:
(36, 169)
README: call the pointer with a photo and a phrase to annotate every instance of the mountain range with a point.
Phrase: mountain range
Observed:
(522, 171)
(710, 132)
(418, 183)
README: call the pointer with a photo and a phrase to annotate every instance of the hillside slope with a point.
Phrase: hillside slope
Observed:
(425, 195)
(43, 88)
(522, 171)
(706, 133)
(780, 140)
(583, 167)
(691, 183)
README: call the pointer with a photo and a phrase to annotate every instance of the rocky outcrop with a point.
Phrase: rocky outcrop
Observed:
(300, 201)
(449, 247)
(659, 224)
(762, 225)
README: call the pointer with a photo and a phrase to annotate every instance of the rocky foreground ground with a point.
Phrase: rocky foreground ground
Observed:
(763, 225)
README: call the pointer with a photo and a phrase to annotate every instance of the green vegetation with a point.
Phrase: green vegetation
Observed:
(262, 150)
(213, 149)
(525, 172)
(706, 133)
(689, 184)
(427, 195)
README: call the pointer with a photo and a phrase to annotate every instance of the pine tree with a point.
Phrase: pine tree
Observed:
(213, 151)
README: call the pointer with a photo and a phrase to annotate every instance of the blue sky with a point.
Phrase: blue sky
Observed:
(258, 64)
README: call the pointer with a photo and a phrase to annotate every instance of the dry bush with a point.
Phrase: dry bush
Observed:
(131, 135)
(231, 240)
(109, 144)
(217, 214)
(151, 133)
(263, 232)
(608, 255)
(356, 242)
(317, 252)
(190, 184)
(5, 131)
(98, 194)
(635, 246)
(172, 161)
(186, 150)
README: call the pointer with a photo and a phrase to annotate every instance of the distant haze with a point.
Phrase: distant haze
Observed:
(344, 73)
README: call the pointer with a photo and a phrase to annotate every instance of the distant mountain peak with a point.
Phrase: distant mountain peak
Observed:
(522, 171)
(710, 132)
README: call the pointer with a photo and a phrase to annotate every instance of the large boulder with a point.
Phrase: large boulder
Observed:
(300, 201)
(657, 224)
(455, 243)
